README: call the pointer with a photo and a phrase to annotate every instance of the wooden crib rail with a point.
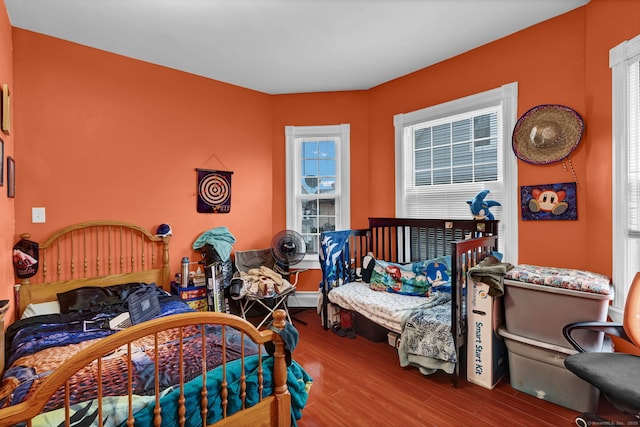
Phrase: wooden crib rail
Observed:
(272, 410)
(405, 240)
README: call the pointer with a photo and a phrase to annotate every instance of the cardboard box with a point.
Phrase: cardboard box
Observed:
(486, 351)
(188, 293)
(198, 304)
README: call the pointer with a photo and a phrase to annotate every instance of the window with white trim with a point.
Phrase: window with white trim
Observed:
(318, 194)
(448, 153)
(624, 61)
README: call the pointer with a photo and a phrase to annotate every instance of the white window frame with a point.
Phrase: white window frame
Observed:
(504, 97)
(625, 243)
(293, 174)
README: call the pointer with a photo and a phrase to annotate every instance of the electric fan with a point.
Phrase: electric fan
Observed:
(288, 248)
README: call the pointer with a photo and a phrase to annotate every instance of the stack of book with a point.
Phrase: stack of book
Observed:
(199, 280)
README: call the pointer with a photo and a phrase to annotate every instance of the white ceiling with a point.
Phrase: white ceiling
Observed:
(286, 46)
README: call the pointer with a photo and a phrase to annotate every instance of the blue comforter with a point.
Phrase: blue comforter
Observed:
(298, 382)
(40, 344)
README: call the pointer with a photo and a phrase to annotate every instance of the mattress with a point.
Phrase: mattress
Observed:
(384, 308)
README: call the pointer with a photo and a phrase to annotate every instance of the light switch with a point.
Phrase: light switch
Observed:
(37, 216)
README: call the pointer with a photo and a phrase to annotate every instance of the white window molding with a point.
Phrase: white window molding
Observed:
(624, 63)
(504, 100)
(309, 223)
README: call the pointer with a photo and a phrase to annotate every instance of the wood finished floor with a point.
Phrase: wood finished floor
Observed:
(360, 383)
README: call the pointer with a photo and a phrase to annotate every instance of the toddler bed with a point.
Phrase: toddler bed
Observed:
(413, 283)
(65, 367)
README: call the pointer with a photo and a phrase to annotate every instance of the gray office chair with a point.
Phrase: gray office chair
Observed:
(616, 375)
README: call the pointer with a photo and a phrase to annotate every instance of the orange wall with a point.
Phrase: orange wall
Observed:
(317, 109)
(107, 137)
(547, 61)
(564, 61)
(609, 23)
(102, 136)
(7, 215)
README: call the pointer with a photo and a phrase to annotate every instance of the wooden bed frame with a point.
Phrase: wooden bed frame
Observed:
(95, 253)
(104, 253)
(405, 240)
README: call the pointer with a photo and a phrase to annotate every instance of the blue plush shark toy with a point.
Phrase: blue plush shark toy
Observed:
(480, 207)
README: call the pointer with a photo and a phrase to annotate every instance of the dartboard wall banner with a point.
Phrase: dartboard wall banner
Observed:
(214, 191)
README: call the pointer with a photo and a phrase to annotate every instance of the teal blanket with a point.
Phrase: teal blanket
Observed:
(298, 382)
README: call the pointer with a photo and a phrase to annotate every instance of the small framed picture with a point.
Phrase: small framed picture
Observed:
(6, 109)
(549, 201)
(11, 177)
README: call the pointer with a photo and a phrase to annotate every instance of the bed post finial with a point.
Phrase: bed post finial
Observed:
(281, 391)
(16, 302)
(25, 281)
(278, 318)
(166, 268)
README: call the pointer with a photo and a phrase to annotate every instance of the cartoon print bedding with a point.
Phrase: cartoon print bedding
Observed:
(39, 344)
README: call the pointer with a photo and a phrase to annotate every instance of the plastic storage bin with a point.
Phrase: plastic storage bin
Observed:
(369, 329)
(537, 368)
(559, 296)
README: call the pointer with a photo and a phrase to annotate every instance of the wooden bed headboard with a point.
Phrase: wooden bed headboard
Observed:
(95, 253)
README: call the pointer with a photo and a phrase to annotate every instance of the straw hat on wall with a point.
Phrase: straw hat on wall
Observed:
(547, 134)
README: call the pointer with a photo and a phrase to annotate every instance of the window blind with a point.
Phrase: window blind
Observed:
(634, 149)
(448, 161)
(447, 153)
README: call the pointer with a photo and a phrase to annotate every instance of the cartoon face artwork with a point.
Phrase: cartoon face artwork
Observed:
(548, 201)
(556, 201)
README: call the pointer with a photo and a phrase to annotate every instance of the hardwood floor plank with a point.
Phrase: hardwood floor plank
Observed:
(360, 383)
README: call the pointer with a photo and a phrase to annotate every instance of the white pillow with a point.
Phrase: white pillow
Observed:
(51, 307)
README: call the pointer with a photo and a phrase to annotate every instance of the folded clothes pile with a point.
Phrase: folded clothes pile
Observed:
(264, 282)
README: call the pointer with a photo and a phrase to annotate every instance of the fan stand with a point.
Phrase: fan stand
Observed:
(288, 248)
(286, 273)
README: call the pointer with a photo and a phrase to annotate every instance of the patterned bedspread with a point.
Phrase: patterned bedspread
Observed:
(298, 382)
(423, 322)
(42, 343)
(384, 308)
(426, 341)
